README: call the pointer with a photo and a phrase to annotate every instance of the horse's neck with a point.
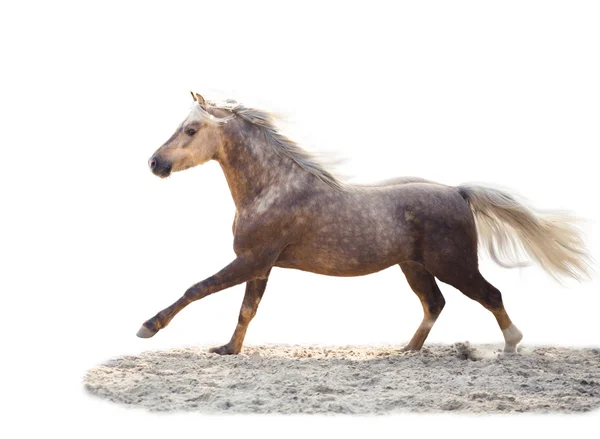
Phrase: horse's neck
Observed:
(251, 166)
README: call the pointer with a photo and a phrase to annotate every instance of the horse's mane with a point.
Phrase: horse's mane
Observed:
(265, 121)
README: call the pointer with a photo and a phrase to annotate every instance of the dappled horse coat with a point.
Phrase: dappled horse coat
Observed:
(291, 212)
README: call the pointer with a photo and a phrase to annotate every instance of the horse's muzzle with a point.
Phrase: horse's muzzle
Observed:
(159, 167)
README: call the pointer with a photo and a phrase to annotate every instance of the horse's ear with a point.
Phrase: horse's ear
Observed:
(193, 97)
(200, 99)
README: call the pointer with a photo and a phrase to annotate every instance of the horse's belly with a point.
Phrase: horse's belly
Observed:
(352, 238)
(335, 261)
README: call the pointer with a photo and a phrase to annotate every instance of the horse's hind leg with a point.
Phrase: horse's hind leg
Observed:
(423, 284)
(254, 292)
(489, 296)
(477, 288)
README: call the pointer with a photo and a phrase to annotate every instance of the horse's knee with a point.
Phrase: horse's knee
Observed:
(247, 313)
(191, 294)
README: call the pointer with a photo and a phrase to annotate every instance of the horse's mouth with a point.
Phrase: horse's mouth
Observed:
(162, 172)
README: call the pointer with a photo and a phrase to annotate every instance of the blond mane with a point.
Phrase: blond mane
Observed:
(265, 121)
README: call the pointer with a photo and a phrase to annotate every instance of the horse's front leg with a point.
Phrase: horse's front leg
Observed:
(244, 268)
(254, 292)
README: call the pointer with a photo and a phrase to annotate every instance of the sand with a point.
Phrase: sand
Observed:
(354, 380)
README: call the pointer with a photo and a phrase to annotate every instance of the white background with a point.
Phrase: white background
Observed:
(92, 244)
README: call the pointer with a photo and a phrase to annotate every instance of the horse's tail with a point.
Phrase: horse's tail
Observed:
(507, 226)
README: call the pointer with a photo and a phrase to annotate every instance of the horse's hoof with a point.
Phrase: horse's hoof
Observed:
(223, 350)
(510, 349)
(145, 332)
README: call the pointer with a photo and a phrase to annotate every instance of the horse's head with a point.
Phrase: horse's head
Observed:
(197, 140)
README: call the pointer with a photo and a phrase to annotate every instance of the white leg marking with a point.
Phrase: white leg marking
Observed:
(512, 337)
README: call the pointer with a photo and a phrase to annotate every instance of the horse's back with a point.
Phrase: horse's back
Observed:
(430, 201)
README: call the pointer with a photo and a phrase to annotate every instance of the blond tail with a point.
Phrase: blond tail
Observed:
(507, 227)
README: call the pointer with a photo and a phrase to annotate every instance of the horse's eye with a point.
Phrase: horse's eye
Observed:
(191, 131)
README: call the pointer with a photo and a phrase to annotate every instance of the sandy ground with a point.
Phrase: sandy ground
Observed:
(354, 380)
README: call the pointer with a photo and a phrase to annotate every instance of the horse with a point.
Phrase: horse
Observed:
(291, 212)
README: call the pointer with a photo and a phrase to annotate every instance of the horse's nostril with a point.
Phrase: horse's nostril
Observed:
(152, 163)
